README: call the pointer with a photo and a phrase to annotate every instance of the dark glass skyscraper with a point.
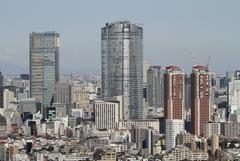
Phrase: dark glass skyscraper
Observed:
(44, 65)
(122, 66)
(1, 90)
(155, 86)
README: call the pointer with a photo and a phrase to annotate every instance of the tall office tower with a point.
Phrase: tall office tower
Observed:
(44, 65)
(174, 93)
(122, 66)
(155, 86)
(1, 90)
(200, 98)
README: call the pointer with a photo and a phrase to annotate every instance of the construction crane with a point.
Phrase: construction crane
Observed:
(193, 59)
(208, 61)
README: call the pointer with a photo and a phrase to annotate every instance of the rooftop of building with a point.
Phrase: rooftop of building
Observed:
(201, 67)
(124, 22)
(172, 67)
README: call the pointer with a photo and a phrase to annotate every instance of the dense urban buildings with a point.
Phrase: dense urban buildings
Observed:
(44, 65)
(122, 66)
(200, 98)
(134, 111)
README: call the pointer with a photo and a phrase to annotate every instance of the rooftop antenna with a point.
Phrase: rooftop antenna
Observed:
(208, 61)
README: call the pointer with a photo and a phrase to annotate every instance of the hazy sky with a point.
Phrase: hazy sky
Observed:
(172, 29)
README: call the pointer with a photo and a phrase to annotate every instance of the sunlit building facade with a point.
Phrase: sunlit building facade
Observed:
(44, 65)
(122, 66)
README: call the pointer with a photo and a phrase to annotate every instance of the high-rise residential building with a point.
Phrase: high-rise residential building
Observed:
(200, 98)
(174, 93)
(122, 66)
(173, 104)
(44, 65)
(155, 86)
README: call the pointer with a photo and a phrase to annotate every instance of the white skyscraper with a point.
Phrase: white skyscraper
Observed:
(173, 127)
(122, 66)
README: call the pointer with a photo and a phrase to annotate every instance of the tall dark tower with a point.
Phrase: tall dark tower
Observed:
(44, 65)
(122, 66)
(1, 90)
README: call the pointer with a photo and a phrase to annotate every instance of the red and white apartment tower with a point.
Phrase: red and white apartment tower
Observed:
(200, 98)
(174, 93)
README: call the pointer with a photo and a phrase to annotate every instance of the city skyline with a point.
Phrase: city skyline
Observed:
(119, 80)
(172, 30)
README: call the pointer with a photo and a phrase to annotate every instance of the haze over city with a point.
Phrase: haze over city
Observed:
(172, 29)
(119, 80)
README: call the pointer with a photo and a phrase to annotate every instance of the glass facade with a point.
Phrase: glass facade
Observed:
(44, 65)
(122, 66)
(155, 88)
